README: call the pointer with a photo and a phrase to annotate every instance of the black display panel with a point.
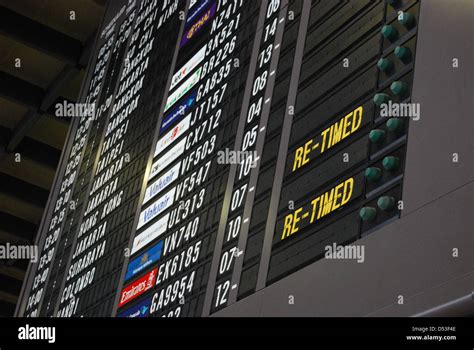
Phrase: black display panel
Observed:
(233, 142)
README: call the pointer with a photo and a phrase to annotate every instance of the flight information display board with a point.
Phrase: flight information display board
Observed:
(232, 142)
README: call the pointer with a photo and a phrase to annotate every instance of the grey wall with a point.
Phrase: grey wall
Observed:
(412, 256)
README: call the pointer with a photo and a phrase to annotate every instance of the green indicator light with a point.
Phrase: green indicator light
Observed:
(394, 124)
(377, 136)
(389, 32)
(391, 163)
(373, 174)
(379, 99)
(384, 64)
(406, 19)
(403, 53)
(399, 88)
(386, 203)
(368, 213)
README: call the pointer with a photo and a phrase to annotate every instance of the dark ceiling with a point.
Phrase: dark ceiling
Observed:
(53, 51)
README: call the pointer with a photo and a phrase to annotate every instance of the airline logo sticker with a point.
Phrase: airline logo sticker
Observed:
(179, 112)
(156, 208)
(138, 287)
(167, 158)
(142, 309)
(197, 11)
(183, 89)
(151, 233)
(198, 25)
(188, 67)
(172, 135)
(163, 182)
(146, 259)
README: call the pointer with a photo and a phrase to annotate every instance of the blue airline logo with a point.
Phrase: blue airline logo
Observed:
(142, 309)
(197, 11)
(144, 260)
(179, 112)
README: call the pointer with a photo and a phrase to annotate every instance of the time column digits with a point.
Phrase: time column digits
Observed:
(251, 147)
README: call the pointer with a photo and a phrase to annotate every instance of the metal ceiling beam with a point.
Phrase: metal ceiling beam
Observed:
(31, 149)
(22, 129)
(100, 2)
(39, 152)
(20, 91)
(54, 90)
(35, 98)
(12, 238)
(39, 36)
(52, 42)
(27, 94)
(65, 121)
(48, 101)
(24, 230)
(13, 272)
(22, 190)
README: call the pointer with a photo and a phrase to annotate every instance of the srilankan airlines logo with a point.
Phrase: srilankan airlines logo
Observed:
(190, 101)
(144, 310)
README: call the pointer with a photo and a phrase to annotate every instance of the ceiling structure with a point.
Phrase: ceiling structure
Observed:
(44, 49)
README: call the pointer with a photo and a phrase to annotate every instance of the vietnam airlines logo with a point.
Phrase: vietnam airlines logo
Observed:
(144, 258)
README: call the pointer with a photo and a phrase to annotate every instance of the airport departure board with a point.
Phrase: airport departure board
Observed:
(231, 142)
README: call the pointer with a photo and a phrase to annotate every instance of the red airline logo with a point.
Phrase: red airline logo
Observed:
(138, 287)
